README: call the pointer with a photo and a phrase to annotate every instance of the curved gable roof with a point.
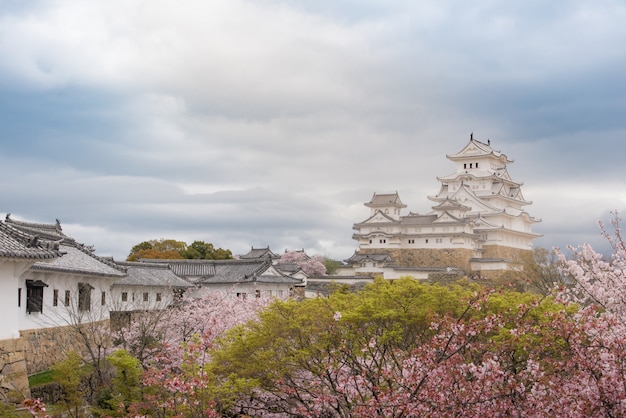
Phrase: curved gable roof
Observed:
(378, 217)
(385, 200)
(76, 259)
(16, 245)
(475, 148)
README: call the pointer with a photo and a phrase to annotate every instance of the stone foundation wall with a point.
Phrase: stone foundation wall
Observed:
(509, 253)
(13, 373)
(428, 257)
(48, 346)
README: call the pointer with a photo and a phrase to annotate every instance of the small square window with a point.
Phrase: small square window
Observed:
(145, 296)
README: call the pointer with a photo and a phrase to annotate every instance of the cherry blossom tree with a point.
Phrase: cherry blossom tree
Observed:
(311, 266)
(398, 349)
(176, 381)
(410, 349)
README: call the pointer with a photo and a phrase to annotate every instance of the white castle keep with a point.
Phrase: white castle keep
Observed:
(477, 223)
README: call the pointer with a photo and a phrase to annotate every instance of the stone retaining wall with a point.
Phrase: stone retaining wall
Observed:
(428, 257)
(508, 253)
(452, 257)
(13, 371)
(48, 346)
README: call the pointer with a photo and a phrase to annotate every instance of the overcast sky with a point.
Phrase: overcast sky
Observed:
(255, 123)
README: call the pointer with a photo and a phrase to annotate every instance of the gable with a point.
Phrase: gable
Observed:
(468, 198)
(379, 217)
(447, 217)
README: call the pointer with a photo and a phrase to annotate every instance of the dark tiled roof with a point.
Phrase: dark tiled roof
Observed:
(52, 232)
(287, 267)
(150, 274)
(237, 271)
(225, 271)
(77, 259)
(386, 199)
(189, 268)
(359, 257)
(259, 253)
(15, 244)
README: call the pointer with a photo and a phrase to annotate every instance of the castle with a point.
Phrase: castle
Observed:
(477, 225)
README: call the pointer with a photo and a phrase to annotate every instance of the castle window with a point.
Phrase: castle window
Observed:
(55, 297)
(470, 165)
(158, 297)
(145, 296)
(476, 165)
(34, 295)
(426, 240)
(84, 296)
(370, 241)
(67, 298)
(124, 296)
(103, 298)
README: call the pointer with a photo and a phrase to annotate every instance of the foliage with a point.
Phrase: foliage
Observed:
(311, 266)
(41, 378)
(397, 349)
(206, 251)
(411, 349)
(176, 381)
(331, 265)
(126, 381)
(70, 374)
(539, 274)
(172, 249)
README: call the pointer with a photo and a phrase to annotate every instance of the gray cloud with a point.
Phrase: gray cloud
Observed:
(256, 123)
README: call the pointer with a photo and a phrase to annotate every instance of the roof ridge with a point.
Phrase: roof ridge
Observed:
(56, 226)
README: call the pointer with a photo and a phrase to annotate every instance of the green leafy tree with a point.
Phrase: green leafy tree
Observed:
(125, 384)
(71, 374)
(206, 251)
(172, 249)
(343, 352)
(157, 249)
(331, 265)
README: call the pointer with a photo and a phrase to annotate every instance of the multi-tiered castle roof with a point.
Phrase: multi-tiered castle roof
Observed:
(478, 212)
